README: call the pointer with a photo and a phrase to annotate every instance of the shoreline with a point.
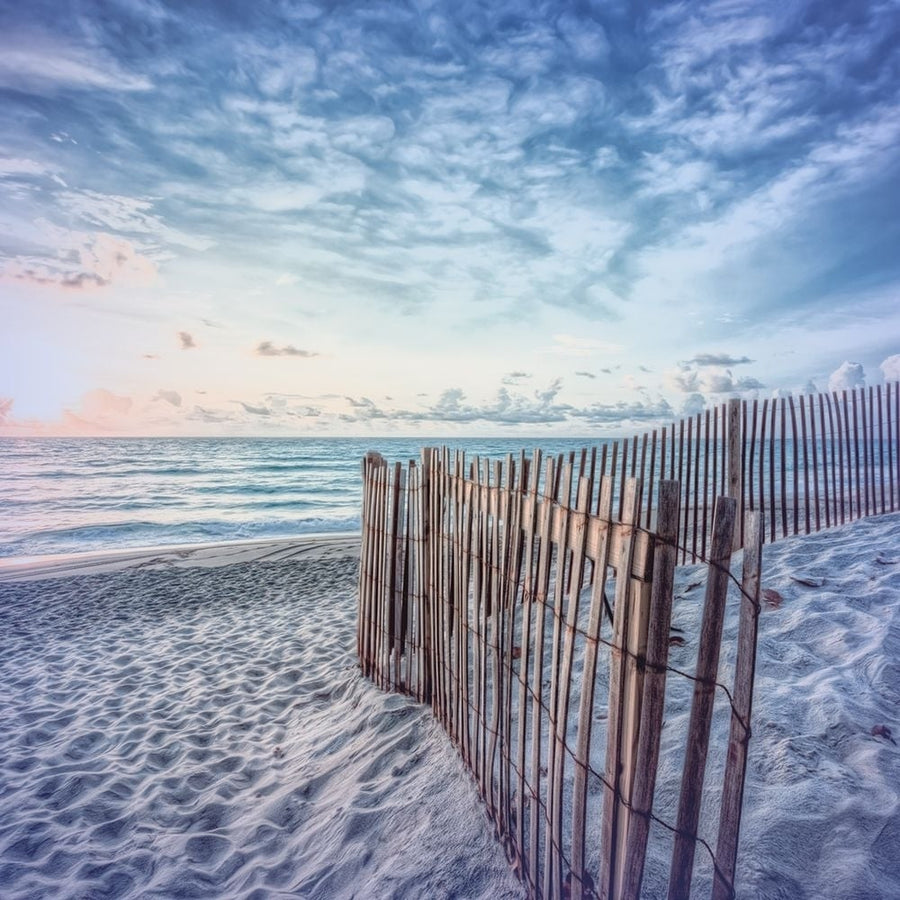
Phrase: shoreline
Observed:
(203, 555)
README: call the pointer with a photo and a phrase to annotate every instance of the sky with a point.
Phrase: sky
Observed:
(441, 218)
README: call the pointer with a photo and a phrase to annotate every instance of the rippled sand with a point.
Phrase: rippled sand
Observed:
(195, 725)
(205, 732)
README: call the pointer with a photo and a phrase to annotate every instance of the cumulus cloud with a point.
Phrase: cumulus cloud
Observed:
(846, 376)
(890, 368)
(693, 404)
(187, 340)
(708, 380)
(267, 348)
(509, 409)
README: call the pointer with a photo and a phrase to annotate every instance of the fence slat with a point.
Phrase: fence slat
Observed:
(815, 457)
(841, 430)
(525, 659)
(887, 405)
(576, 579)
(702, 706)
(762, 469)
(696, 491)
(735, 443)
(552, 846)
(615, 752)
(795, 468)
(745, 668)
(865, 448)
(542, 588)
(586, 702)
(772, 505)
(654, 689)
(804, 442)
(881, 450)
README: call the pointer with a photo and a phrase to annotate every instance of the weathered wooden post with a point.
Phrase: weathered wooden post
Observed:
(745, 668)
(735, 479)
(704, 696)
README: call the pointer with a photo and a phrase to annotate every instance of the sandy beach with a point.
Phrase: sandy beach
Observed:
(191, 722)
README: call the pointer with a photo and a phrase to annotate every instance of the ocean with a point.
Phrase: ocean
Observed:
(64, 495)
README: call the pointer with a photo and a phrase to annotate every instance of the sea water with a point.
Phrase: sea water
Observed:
(70, 495)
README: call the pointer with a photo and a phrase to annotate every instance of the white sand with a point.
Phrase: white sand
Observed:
(192, 723)
(822, 798)
(177, 729)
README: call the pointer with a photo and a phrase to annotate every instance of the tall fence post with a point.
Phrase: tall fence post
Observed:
(735, 476)
(702, 707)
(739, 738)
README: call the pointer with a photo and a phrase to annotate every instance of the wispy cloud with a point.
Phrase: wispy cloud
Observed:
(186, 340)
(83, 261)
(620, 187)
(719, 359)
(267, 348)
(48, 63)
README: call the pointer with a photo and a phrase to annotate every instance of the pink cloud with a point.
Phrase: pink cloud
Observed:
(86, 262)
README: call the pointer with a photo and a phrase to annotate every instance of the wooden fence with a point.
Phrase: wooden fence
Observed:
(504, 594)
(474, 598)
(806, 463)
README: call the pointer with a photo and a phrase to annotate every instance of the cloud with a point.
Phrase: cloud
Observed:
(693, 404)
(187, 340)
(255, 410)
(890, 368)
(661, 170)
(586, 375)
(171, 397)
(6, 405)
(267, 348)
(84, 261)
(42, 63)
(619, 414)
(14, 167)
(508, 409)
(708, 380)
(719, 359)
(514, 378)
(846, 376)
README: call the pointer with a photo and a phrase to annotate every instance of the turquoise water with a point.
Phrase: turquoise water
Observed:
(71, 495)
